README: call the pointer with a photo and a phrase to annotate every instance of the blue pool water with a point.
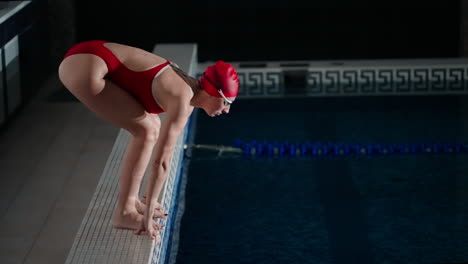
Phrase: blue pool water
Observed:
(384, 209)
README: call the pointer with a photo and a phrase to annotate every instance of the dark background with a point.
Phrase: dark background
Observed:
(279, 30)
(247, 30)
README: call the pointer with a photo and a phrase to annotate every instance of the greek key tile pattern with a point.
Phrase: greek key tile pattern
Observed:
(387, 81)
(354, 81)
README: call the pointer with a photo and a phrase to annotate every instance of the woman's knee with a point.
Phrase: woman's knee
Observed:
(64, 73)
(146, 130)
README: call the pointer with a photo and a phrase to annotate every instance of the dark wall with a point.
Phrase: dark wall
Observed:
(463, 47)
(34, 53)
(62, 28)
(279, 30)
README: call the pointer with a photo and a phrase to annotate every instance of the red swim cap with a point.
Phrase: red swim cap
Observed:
(220, 76)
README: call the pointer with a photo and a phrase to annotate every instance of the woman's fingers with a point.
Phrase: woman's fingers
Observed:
(148, 225)
(153, 232)
(159, 207)
(158, 226)
(162, 211)
(159, 214)
(157, 237)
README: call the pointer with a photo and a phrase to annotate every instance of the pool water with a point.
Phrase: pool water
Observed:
(410, 208)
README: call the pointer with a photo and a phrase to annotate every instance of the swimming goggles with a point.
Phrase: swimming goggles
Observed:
(226, 101)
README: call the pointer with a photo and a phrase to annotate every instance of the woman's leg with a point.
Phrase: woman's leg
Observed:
(83, 74)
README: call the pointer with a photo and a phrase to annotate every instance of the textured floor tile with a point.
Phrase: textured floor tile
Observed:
(56, 237)
(14, 248)
(12, 178)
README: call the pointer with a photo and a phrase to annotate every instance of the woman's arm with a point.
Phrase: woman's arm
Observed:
(171, 128)
(177, 114)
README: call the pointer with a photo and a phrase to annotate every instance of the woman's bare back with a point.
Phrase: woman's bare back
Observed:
(135, 59)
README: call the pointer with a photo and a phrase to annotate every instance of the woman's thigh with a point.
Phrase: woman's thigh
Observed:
(83, 75)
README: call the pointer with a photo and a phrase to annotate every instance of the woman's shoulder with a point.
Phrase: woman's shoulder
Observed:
(174, 85)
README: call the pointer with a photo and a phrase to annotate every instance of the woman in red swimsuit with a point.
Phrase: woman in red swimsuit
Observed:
(128, 87)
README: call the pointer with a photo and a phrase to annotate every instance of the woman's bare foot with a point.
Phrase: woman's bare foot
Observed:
(140, 206)
(129, 219)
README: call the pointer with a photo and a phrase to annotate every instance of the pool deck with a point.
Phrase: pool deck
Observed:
(60, 161)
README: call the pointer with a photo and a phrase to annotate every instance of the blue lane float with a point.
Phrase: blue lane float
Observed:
(317, 149)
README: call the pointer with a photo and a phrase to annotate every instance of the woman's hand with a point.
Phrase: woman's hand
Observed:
(148, 225)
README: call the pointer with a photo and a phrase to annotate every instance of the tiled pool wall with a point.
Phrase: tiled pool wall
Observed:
(351, 78)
